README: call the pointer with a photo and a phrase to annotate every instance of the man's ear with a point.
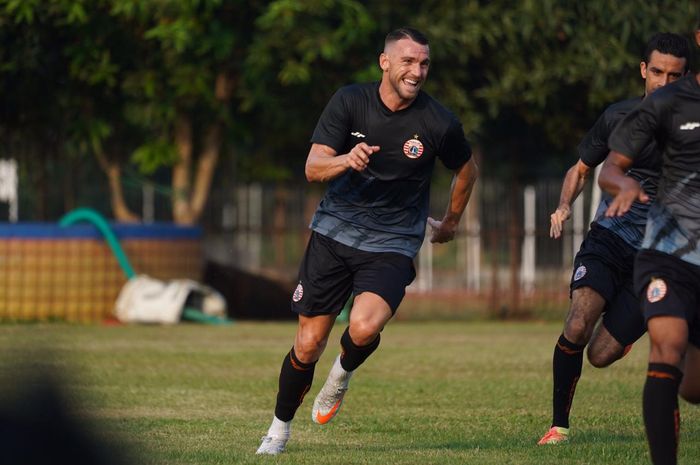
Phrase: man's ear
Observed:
(384, 62)
(643, 69)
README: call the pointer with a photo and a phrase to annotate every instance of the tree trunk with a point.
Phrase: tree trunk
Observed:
(189, 200)
(205, 171)
(182, 213)
(120, 209)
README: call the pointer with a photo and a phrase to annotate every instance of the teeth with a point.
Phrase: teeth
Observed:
(409, 81)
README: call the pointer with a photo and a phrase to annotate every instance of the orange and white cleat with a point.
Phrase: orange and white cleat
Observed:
(330, 397)
(555, 435)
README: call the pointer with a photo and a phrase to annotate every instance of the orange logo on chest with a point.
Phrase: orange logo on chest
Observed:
(413, 148)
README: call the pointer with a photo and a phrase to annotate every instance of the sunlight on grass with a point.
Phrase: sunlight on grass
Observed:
(434, 393)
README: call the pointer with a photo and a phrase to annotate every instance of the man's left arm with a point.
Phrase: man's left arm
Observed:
(461, 190)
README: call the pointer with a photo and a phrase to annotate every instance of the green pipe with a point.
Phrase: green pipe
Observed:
(94, 217)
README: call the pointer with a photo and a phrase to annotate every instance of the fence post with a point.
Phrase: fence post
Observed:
(595, 193)
(425, 264)
(8, 186)
(473, 242)
(527, 269)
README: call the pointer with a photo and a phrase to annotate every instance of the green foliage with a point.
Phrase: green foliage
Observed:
(152, 155)
(526, 78)
(308, 33)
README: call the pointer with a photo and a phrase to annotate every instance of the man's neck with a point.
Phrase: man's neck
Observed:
(391, 99)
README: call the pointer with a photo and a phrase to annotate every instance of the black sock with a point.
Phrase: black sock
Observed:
(353, 355)
(661, 415)
(295, 381)
(566, 367)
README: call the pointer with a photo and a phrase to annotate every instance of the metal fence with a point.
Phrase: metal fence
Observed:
(502, 262)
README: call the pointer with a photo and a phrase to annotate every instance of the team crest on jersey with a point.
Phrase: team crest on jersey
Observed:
(298, 293)
(413, 148)
(656, 290)
(580, 272)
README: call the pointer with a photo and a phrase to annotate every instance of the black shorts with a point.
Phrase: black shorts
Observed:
(604, 263)
(331, 271)
(669, 286)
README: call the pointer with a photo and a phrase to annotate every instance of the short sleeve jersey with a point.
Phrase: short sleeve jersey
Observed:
(593, 150)
(385, 207)
(672, 116)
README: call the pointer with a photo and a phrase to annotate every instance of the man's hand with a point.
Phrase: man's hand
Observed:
(557, 219)
(442, 231)
(358, 158)
(629, 192)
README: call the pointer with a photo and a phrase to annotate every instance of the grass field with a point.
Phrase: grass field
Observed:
(434, 393)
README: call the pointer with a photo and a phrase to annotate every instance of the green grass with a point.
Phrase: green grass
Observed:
(434, 393)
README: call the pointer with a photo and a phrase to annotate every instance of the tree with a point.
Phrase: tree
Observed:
(183, 89)
(174, 83)
(302, 51)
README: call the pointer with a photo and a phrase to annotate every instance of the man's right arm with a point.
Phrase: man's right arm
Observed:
(624, 188)
(324, 164)
(573, 184)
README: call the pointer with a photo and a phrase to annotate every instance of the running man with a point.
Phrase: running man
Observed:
(376, 144)
(667, 267)
(601, 283)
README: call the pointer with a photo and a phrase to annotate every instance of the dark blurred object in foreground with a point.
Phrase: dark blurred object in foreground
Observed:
(38, 426)
(250, 296)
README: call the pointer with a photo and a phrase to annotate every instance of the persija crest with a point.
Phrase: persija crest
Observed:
(413, 148)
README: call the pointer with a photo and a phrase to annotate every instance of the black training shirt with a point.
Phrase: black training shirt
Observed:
(672, 116)
(593, 150)
(384, 208)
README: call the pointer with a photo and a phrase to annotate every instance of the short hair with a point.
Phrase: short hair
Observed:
(406, 33)
(670, 44)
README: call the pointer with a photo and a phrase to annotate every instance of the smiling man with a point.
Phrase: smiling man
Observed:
(376, 144)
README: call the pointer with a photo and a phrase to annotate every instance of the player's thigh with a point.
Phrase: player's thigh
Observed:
(603, 263)
(599, 271)
(325, 283)
(623, 324)
(604, 348)
(384, 274)
(669, 301)
(668, 336)
(380, 281)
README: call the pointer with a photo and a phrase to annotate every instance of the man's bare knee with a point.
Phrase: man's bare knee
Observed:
(578, 327)
(369, 314)
(586, 307)
(363, 332)
(309, 347)
(601, 359)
